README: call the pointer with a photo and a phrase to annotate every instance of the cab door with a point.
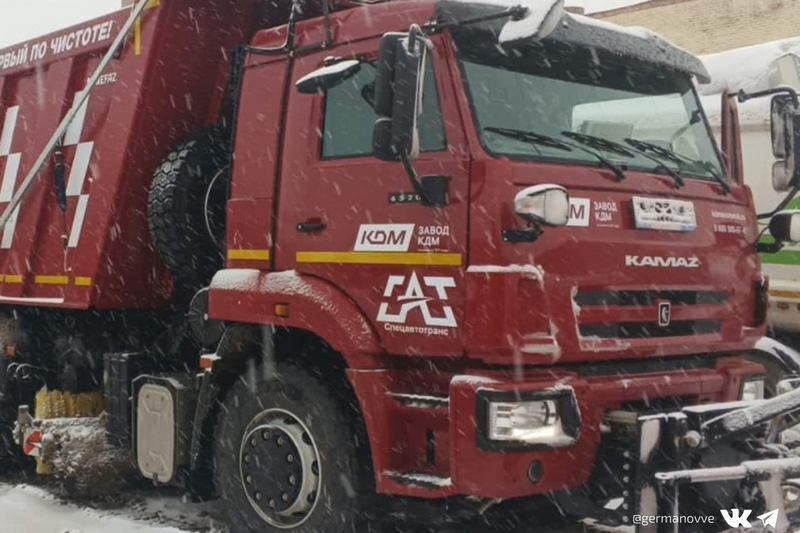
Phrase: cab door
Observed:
(353, 220)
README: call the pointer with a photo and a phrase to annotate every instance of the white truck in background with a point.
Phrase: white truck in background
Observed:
(756, 68)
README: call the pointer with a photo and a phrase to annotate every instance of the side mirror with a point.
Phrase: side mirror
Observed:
(328, 76)
(785, 226)
(546, 205)
(398, 94)
(785, 119)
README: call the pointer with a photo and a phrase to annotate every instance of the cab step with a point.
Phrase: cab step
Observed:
(420, 479)
(422, 401)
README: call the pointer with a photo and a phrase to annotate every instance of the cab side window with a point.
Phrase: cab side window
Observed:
(349, 117)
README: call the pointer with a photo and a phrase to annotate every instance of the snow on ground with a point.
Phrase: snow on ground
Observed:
(25, 508)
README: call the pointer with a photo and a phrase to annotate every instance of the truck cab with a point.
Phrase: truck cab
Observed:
(541, 257)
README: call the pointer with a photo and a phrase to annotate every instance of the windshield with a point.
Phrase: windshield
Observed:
(553, 89)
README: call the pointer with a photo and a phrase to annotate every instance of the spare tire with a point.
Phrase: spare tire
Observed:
(186, 207)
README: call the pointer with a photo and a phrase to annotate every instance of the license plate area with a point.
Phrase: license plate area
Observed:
(664, 214)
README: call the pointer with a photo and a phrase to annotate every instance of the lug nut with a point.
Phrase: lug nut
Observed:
(272, 503)
(258, 496)
(281, 441)
(265, 435)
(246, 458)
(285, 497)
(253, 442)
(290, 458)
(248, 479)
(292, 480)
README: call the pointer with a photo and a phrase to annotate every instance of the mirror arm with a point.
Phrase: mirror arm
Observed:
(326, 14)
(768, 248)
(414, 178)
(743, 96)
(514, 13)
(781, 206)
(291, 25)
(523, 235)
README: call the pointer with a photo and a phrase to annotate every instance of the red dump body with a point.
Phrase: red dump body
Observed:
(166, 81)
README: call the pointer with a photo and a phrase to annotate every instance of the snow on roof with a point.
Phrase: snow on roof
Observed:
(636, 31)
(636, 42)
(751, 68)
(748, 68)
(540, 20)
(548, 20)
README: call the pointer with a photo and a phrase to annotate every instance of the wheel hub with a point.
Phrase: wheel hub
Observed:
(280, 468)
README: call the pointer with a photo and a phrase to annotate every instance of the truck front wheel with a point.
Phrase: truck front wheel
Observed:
(287, 456)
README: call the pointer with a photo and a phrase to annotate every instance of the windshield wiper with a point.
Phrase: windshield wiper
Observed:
(681, 161)
(617, 148)
(531, 137)
(552, 142)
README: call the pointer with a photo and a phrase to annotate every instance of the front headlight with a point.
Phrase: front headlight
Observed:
(524, 421)
(531, 420)
(753, 390)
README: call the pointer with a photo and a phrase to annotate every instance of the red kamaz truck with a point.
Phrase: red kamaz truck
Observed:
(317, 252)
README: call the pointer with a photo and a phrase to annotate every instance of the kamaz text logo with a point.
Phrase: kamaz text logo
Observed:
(413, 298)
(384, 237)
(664, 262)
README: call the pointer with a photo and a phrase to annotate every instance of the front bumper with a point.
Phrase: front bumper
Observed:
(435, 445)
(504, 474)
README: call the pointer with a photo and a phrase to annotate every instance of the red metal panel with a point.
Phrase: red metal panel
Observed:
(162, 85)
(249, 220)
(250, 296)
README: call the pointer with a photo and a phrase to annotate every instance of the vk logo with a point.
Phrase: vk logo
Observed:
(737, 518)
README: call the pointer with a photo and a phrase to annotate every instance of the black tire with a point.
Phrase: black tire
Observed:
(343, 482)
(176, 208)
(11, 457)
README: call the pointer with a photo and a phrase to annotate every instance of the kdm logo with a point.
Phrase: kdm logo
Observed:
(384, 237)
(413, 298)
(665, 262)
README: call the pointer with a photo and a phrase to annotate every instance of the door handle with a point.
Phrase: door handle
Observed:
(310, 226)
